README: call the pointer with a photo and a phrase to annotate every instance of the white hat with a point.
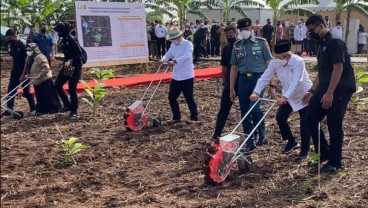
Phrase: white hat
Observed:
(174, 32)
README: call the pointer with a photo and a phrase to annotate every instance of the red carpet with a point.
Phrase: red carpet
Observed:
(144, 79)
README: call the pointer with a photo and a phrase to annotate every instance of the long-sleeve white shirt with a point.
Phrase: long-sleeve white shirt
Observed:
(299, 33)
(161, 31)
(338, 31)
(294, 80)
(182, 53)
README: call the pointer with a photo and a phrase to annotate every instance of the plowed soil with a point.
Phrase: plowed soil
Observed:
(161, 167)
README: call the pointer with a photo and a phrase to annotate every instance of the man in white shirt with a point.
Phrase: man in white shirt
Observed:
(160, 32)
(299, 30)
(337, 31)
(290, 69)
(180, 56)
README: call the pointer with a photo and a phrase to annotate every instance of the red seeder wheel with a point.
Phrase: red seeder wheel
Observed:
(135, 119)
(217, 164)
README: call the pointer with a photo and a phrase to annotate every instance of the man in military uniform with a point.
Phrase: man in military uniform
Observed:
(249, 60)
(331, 92)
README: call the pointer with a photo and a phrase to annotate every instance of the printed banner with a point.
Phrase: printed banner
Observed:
(112, 33)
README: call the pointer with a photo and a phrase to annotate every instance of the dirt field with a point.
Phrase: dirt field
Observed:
(161, 167)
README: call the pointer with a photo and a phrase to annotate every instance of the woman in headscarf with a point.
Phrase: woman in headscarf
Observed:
(37, 67)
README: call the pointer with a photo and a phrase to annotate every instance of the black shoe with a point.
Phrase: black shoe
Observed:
(327, 168)
(262, 141)
(65, 109)
(7, 113)
(290, 147)
(302, 156)
(248, 148)
(73, 116)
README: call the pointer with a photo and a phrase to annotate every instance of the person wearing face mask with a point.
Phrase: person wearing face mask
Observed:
(362, 39)
(294, 78)
(180, 58)
(328, 23)
(299, 30)
(249, 59)
(337, 31)
(225, 104)
(160, 32)
(45, 43)
(18, 53)
(200, 37)
(37, 66)
(215, 39)
(187, 33)
(331, 92)
(73, 55)
(267, 31)
(222, 35)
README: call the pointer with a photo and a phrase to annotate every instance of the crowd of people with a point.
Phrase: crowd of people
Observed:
(32, 59)
(248, 66)
(209, 38)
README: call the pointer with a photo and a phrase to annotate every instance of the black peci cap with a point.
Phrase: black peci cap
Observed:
(245, 22)
(282, 47)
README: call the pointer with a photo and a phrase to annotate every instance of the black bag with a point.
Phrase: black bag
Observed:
(84, 55)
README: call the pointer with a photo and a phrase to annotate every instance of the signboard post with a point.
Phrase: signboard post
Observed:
(112, 33)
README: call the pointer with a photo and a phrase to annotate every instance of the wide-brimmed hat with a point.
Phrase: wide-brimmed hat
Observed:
(174, 32)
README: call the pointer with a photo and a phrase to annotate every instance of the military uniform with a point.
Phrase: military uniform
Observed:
(250, 56)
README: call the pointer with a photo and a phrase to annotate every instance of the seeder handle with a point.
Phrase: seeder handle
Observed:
(163, 64)
(162, 77)
(273, 102)
(15, 94)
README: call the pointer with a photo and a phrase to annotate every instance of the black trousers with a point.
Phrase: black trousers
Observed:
(335, 116)
(225, 107)
(13, 83)
(215, 47)
(185, 86)
(305, 45)
(282, 116)
(199, 50)
(312, 48)
(161, 45)
(61, 79)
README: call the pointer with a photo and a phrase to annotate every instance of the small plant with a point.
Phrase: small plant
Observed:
(102, 74)
(98, 92)
(361, 77)
(313, 66)
(307, 187)
(70, 148)
(314, 158)
(95, 95)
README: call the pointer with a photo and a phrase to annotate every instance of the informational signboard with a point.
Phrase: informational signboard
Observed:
(112, 33)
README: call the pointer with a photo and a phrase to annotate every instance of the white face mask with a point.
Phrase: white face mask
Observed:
(176, 42)
(245, 34)
(201, 24)
(281, 63)
(29, 53)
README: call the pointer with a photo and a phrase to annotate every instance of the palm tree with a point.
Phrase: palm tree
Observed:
(360, 6)
(181, 7)
(280, 7)
(228, 5)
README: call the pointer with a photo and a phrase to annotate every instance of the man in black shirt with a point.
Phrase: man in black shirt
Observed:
(215, 39)
(225, 106)
(267, 31)
(331, 91)
(19, 55)
(72, 56)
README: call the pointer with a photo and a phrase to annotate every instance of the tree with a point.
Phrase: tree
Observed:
(360, 6)
(280, 7)
(182, 7)
(228, 5)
